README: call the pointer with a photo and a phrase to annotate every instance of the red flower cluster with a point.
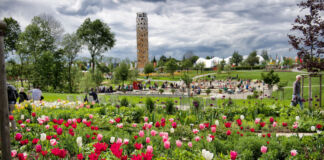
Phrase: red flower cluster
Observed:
(262, 124)
(11, 117)
(319, 126)
(99, 147)
(145, 156)
(23, 142)
(59, 152)
(157, 124)
(239, 122)
(228, 124)
(174, 125)
(118, 119)
(138, 146)
(115, 149)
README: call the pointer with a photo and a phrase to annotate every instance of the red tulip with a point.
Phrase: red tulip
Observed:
(262, 124)
(252, 130)
(33, 114)
(59, 131)
(228, 132)
(174, 125)
(284, 124)
(239, 122)
(18, 136)
(319, 126)
(11, 117)
(271, 119)
(228, 124)
(157, 124)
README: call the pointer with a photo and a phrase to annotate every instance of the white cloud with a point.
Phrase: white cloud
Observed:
(208, 27)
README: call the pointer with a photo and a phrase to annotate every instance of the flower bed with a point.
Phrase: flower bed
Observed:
(73, 130)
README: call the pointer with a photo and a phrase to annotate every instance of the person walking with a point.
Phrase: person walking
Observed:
(36, 94)
(12, 99)
(94, 95)
(296, 99)
(22, 95)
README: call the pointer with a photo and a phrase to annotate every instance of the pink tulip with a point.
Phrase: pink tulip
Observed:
(171, 120)
(28, 120)
(153, 132)
(147, 140)
(166, 144)
(145, 119)
(134, 125)
(53, 142)
(293, 152)
(120, 125)
(178, 143)
(13, 153)
(119, 141)
(90, 116)
(111, 121)
(197, 138)
(149, 149)
(224, 117)
(274, 124)
(93, 103)
(46, 118)
(27, 129)
(69, 121)
(47, 126)
(59, 131)
(99, 137)
(201, 126)
(81, 105)
(84, 120)
(190, 144)
(88, 106)
(38, 148)
(233, 155)
(165, 138)
(22, 126)
(295, 126)
(149, 126)
(141, 133)
(257, 120)
(195, 131)
(126, 141)
(264, 149)
(213, 129)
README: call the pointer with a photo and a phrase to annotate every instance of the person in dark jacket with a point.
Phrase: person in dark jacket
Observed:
(296, 98)
(12, 99)
(22, 95)
(94, 95)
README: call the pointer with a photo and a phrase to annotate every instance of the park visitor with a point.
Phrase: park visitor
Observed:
(36, 94)
(22, 95)
(296, 99)
(12, 98)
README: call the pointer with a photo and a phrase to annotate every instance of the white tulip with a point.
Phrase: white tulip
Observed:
(217, 123)
(43, 137)
(313, 128)
(22, 117)
(79, 141)
(297, 118)
(319, 132)
(171, 130)
(242, 117)
(112, 139)
(207, 155)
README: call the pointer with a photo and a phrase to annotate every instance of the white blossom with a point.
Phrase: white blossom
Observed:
(207, 155)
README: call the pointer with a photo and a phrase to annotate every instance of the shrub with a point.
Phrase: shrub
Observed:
(149, 104)
(124, 102)
(208, 91)
(169, 106)
(161, 90)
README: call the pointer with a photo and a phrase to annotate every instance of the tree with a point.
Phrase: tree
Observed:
(265, 55)
(122, 72)
(270, 79)
(236, 58)
(97, 36)
(162, 60)
(288, 61)
(56, 29)
(187, 80)
(72, 46)
(12, 34)
(252, 59)
(148, 68)
(207, 57)
(97, 77)
(171, 66)
(200, 66)
(222, 64)
(307, 37)
(186, 64)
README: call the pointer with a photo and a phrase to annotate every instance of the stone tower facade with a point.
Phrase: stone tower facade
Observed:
(142, 40)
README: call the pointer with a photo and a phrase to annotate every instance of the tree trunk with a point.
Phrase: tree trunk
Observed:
(4, 111)
(70, 79)
(310, 91)
(93, 63)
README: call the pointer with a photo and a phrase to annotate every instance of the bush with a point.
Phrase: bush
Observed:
(124, 102)
(208, 91)
(149, 104)
(169, 106)
(161, 90)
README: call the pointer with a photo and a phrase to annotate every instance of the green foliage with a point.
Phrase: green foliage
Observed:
(12, 34)
(161, 90)
(122, 72)
(249, 147)
(200, 66)
(149, 104)
(124, 102)
(86, 83)
(252, 59)
(236, 58)
(265, 55)
(97, 36)
(270, 78)
(149, 68)
(171, 66)
(97, 77)
(169, 105)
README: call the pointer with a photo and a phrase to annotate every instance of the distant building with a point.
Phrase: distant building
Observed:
(142, 40)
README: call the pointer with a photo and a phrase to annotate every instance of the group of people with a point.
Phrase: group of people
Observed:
(13, 96)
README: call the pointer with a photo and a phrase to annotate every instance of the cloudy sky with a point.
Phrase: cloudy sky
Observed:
(205, 27)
